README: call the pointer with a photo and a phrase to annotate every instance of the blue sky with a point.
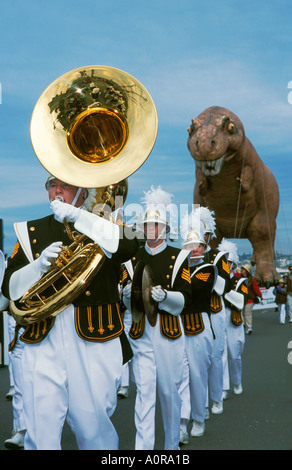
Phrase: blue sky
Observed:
(189, 55)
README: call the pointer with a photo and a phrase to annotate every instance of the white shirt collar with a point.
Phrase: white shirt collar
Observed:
(156, 250)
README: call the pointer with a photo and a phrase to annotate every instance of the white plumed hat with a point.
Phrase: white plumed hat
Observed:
(208, 219)
(158, 207)
(230, 248)
(192, 228)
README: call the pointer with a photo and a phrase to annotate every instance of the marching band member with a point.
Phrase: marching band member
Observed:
(16, 441)
(199, 341)
(159, 349)
(234, 301)
(218, 316)
(71, 362)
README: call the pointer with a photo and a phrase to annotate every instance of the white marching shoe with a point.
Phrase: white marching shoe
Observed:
(16, 441)
(123, 392)
(217, 408)
(238, 389)
(224, 395)
(183, 436)
(10, 393)
(198, 429)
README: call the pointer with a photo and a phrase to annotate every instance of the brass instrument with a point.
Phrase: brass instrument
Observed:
(141, 298)
(92, 127)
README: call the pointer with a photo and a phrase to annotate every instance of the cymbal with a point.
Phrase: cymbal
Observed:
(137, 306)
(150, 305)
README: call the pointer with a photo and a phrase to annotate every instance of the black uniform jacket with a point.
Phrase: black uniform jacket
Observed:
(162, 265)
(97, 315)
(223, 271)
(202, 278)
(240, 286)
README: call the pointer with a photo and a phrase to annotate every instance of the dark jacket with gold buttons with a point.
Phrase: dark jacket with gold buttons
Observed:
(223, 271)
(241, 287)
(97, 315)
(162, 265)
(202, 281)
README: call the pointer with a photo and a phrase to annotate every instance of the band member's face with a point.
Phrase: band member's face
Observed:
(153, 230)
(66, 191)
(197, 250)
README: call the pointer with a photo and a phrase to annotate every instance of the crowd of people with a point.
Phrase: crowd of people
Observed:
(185, 342)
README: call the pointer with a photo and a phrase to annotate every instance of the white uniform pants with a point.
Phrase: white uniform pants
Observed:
(11, 330)
(199, 350)
(282, 313)
(184, 391)
(66, 377)
(289, 306)
(125, 377)
(216, 370)
(226, 379)
(235, 347)
(17, 400)
(157, 361)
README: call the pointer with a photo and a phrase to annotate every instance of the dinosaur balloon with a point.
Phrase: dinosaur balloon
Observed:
(233, 181)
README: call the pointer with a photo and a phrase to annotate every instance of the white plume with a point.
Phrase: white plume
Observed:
(90, 200)
(230, 248)
(191, 221)
(208, 219)
(156, 196)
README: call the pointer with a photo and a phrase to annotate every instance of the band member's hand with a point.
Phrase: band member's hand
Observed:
(48, 255)
(127, 291)
(62, 211)
(158, 294)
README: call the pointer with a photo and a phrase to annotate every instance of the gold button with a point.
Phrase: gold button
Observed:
(173, 257)
(170, 267)
(37, 255)
(167, 276)
(168, 286)
(32, 229)
(133, 258)
(34, 241)
(88, 293)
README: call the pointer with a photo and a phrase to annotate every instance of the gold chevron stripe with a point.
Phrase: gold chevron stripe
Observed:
(203, 276)
(225, 266)
(16, 248)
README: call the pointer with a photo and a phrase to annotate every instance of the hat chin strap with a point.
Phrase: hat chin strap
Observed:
(76, 197)
(60, 198)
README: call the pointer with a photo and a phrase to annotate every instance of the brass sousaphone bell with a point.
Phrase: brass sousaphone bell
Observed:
(141, 298)
(92, 128)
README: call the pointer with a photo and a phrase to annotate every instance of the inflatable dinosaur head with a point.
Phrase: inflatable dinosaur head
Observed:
(215, 136)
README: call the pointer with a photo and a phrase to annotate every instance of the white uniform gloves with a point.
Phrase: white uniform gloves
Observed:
(127, 290)
(27, 276)
(62, 211)
(170, 301)
(48, 255)
(105, 233)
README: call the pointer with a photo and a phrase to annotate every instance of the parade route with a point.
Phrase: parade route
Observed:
(259, 419)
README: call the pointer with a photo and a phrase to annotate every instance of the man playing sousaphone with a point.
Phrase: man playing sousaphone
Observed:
(158, 343)
(71, 361)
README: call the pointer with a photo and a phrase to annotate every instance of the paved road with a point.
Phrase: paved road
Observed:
(259, 419)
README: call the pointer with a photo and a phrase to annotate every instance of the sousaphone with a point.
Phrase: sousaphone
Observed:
(93, 127)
